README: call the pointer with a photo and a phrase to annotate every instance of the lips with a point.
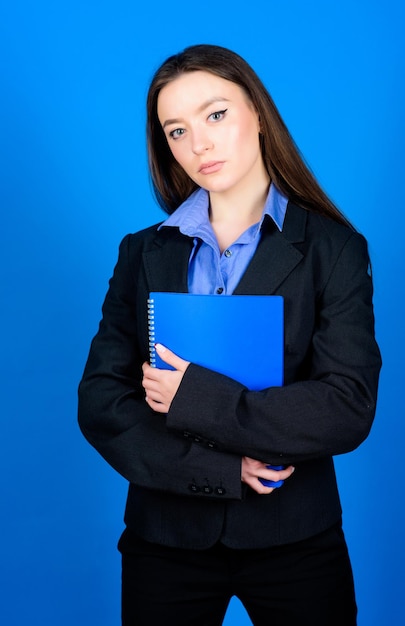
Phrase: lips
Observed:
(210, 167)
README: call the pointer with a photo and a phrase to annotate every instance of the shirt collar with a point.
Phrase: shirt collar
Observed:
(191, 217)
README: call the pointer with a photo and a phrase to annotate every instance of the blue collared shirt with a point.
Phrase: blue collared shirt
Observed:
(210, 271)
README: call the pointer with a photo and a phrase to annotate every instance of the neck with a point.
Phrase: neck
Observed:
(243, 203)
(233, 212)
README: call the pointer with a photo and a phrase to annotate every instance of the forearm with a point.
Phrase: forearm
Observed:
(135, 441)
(302, 421)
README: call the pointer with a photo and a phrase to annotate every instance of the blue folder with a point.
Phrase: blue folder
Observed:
(239, 336)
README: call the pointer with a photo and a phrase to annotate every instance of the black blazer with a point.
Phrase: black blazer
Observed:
(184, 469)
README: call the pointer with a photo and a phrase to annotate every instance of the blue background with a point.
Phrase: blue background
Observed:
(74, 181)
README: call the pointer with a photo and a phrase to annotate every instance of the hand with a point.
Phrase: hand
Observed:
(252, 470)
(161, 385)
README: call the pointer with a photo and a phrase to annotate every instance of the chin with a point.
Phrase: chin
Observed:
(215, 186)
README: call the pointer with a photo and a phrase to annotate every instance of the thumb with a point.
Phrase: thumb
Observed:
(171, 359)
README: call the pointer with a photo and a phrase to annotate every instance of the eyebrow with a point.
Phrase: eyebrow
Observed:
(200, 109)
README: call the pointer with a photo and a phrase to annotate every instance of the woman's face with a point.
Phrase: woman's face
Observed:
(212, 130)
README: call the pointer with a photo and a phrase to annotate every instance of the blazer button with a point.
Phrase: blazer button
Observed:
(211, 444)
(194, 488)
(220, 491)
(207, 489)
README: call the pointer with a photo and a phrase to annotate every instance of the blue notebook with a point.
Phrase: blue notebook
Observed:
(239, 336)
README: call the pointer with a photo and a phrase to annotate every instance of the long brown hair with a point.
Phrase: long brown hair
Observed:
(281, 156)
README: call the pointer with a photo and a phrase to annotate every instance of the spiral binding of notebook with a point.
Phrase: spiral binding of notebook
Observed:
(151, 329)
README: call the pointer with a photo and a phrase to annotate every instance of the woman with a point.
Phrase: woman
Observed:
(246, 217)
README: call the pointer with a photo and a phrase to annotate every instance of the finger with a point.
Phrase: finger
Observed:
(149, 371)
(149, 384)
(170, 358)
(257, 486)
(273, 474)
(158, 407)
(262, 489)
(289, 471)
(285, 473)
(153, 376)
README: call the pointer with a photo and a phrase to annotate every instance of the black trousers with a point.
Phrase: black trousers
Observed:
(308, 583)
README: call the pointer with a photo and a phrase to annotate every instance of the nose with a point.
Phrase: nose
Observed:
(201, 141)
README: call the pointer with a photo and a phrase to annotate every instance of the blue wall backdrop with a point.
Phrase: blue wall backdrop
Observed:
(73, 178)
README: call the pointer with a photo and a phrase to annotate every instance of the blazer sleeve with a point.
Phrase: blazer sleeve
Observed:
(115, 418)
(327, 413)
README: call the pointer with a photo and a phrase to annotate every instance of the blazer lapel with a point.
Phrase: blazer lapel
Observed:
(166, 265)
(276, 256)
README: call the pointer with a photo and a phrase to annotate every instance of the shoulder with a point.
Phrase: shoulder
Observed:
(329, 248)
(152, 246)
(338, 240)
(314, 230)
(141, 238)
(146, 239)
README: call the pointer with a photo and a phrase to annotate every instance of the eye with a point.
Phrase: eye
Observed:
(176, 133)
(217, 116)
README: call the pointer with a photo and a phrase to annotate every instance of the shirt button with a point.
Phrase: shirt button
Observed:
(220, 290)
(228, 253)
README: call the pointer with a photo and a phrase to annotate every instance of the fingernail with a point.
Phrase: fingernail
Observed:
(159, 347)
